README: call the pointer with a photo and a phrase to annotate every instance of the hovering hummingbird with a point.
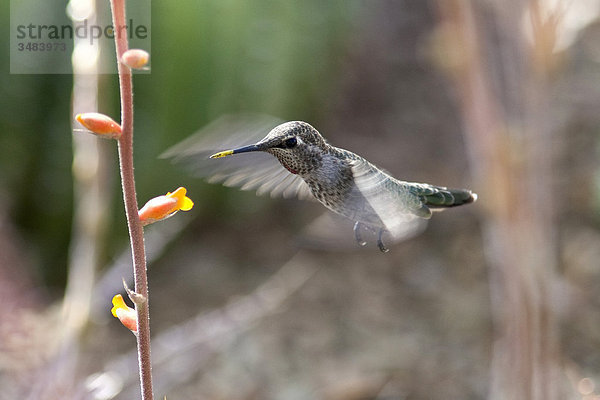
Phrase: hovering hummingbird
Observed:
(341, 180)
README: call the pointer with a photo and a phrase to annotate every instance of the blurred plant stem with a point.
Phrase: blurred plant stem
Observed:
(136, 233)
(89, 192)
(502, 75)
(90, 199)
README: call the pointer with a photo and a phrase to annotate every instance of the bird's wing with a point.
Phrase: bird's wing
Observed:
(401, 213)
(249, 171)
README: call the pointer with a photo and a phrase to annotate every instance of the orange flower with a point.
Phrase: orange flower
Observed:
(100, 124)
(135, 58)
(162, 207)
(124, 313)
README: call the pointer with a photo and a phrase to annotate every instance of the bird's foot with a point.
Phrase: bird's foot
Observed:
(357, 235)
(361, 242)
(380, 242)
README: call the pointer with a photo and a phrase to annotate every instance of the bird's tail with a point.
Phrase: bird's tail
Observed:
(444, 198)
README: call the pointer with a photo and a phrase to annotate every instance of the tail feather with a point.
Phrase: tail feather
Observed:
(443, 197)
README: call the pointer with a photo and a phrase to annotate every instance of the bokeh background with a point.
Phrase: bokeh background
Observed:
(494, 300)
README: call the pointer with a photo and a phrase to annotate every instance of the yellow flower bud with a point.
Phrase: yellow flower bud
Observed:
(163, 207)
(124, 313)
(135, 58)
(100, 124)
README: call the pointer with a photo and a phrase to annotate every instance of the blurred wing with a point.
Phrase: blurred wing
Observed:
(249, 171)
(400, 212)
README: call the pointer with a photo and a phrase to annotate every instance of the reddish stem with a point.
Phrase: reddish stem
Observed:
(136, 233)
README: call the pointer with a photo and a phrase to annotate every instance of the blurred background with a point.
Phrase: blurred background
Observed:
(494, 300)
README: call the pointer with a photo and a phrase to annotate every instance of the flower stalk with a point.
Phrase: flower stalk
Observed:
(134, 225)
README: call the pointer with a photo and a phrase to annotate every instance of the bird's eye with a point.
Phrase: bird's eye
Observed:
(291, 142)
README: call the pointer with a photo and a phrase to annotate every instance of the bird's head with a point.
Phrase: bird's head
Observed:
(296, 144)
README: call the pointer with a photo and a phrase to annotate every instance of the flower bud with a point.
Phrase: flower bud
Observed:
(124, 313)
(135, 58)
(163, 207)
(100, 124)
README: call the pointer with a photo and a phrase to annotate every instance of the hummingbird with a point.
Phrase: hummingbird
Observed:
(344, 182)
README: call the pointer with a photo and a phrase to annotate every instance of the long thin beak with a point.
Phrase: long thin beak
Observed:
(244, 149)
